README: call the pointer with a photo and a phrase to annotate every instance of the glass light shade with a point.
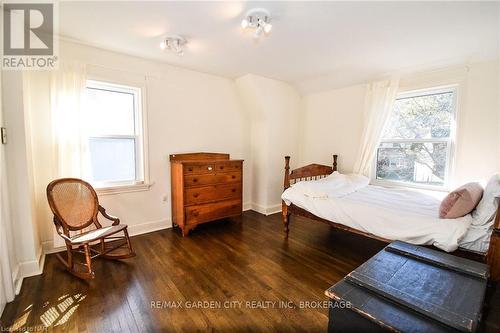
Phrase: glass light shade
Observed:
(244, 23)
(268, 27)
(258, 32)
(163, 45)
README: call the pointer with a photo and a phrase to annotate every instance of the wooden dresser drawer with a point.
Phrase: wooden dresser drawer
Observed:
(205, 187)
(196, 169)
(197, 195)
(213, 211)
(209, 179)
(230, 166)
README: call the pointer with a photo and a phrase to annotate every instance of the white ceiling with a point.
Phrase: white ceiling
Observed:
(314, 45)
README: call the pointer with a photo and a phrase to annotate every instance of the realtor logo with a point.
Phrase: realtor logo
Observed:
(28, 36)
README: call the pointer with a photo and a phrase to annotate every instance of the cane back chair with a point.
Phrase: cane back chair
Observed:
(75, 206)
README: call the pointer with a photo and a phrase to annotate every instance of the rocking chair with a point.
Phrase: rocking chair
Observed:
(75, 206)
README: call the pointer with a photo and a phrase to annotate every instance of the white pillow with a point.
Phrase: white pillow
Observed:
(487, 207)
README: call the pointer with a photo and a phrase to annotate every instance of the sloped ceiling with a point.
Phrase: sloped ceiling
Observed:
(314, 45)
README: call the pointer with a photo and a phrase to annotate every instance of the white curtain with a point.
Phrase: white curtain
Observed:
(67, 91)
(379, 102)
(69, 140)
(7, 291)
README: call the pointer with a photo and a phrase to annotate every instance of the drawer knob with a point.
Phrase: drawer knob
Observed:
(190, 169)
(222, 167)
(233, 190)
(195, 180)
(195, 213)
(196, 195)
(209, 168)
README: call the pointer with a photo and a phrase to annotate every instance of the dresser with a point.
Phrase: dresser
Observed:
(205, 187)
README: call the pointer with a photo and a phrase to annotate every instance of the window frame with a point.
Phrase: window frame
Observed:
(451, 141)
(141, 181)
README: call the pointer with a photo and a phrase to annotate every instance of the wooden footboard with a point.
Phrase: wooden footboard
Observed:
(318, 171)
(493, 254)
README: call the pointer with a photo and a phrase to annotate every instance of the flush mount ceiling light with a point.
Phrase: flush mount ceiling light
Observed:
(174, 43)
(259, 20)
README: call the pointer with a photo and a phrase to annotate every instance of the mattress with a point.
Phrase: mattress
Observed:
(391, 213)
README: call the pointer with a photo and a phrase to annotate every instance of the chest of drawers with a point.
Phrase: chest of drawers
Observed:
(205, 187)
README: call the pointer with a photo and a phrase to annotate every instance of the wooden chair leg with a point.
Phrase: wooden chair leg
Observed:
(129, 244)
(112, 253)
(88, 260)
(68, 262)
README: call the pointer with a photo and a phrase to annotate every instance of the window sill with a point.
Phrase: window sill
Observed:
(118, 189)
(435, 190)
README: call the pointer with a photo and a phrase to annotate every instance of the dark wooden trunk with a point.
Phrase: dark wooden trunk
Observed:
(407, 288)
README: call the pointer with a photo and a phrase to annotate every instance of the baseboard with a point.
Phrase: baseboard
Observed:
(266, 210)
(26, 269)
(247, 206)
(144, 228)
(17, 279)
(133, 230)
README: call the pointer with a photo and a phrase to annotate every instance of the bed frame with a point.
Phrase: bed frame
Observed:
(318, 171)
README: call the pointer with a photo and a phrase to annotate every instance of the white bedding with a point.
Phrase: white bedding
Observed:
(391, 213)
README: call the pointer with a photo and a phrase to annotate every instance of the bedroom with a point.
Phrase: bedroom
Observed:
(254, 82)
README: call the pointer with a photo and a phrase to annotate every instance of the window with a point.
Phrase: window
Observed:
(115, 134)
(416, 143)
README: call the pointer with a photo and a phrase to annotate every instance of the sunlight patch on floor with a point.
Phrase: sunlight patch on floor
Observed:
(60, 313)
(20, 321)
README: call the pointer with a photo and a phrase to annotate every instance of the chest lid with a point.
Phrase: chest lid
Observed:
(406, 286)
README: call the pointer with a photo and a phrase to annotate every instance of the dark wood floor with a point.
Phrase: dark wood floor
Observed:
(241, 260)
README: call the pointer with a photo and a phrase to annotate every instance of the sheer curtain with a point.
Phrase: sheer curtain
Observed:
(7, 291)
(378, 106)
(69, 141)
(67, 87)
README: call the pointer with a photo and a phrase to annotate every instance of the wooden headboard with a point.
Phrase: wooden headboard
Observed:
(308, 172)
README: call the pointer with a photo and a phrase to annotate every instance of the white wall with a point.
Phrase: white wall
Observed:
(478, 136)
(332, 120)
(332, 123)
(8, 259)
(273, 108)
(498, 94)
(28, 257)
(186, 111)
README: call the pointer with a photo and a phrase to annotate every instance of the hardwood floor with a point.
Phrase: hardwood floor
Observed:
(246, 260)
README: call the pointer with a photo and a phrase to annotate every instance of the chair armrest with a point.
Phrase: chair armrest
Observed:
(58, 229)
(66, 238)
(116, 221)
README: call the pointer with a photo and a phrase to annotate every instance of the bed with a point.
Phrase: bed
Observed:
(370, 211)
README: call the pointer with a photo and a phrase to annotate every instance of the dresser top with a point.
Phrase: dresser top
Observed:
(199, 157)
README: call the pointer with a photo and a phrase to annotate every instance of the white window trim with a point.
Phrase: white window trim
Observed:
(451, 151)
(142, 183)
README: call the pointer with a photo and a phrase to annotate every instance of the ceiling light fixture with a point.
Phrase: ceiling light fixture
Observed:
(259, 20)
(174, 44)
